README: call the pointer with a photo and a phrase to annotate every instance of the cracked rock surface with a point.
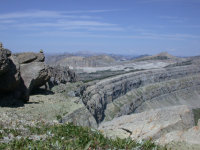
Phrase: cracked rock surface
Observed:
(162, 125)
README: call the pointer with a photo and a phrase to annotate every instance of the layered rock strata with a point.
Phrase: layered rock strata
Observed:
(97, 96)
(183, 91)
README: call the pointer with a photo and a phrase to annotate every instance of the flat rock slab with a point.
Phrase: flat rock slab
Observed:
(28, 57)
(162, 125)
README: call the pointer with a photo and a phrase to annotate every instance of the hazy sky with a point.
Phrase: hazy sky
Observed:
(113, 26)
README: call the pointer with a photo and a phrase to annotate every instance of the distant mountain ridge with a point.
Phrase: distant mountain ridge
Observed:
(160, 56)
(88, 59)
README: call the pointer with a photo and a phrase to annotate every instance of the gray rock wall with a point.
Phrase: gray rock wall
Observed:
(97, 96)
(183, 91)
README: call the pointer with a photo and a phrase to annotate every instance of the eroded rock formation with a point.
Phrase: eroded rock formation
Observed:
(20, 74)
(97, 96)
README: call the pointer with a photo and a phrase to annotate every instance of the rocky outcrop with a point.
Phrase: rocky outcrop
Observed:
(24, 58)
(97, 96)
(20, 74)
(161, 125)
(33, 70)
(61, 74)
(11, 86)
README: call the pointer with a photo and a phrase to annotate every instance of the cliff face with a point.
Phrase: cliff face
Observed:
(146, 85)
(183, 91)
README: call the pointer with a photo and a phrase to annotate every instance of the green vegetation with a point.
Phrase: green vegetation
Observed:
(68, 136)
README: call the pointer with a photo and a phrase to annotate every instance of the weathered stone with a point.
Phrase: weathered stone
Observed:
(10, 80)
(61, 75)
(4, 60)
(11, 86)
(81, 117)
(34, 75)
(161, 125)
(28, 57)
(19, 75)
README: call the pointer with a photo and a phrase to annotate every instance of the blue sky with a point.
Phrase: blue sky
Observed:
(112, 26)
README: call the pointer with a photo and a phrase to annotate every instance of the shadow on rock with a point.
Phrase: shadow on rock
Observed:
(42, 92)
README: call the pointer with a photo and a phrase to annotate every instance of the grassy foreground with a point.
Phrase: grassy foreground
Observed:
(68, 136)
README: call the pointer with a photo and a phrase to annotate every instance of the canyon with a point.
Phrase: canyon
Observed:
(151, 97)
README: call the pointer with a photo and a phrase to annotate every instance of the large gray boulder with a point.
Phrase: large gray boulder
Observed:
(34, 72)
(34, 75)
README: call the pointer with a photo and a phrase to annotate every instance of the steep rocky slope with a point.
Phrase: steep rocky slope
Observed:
(185, 91)
(98, 96)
